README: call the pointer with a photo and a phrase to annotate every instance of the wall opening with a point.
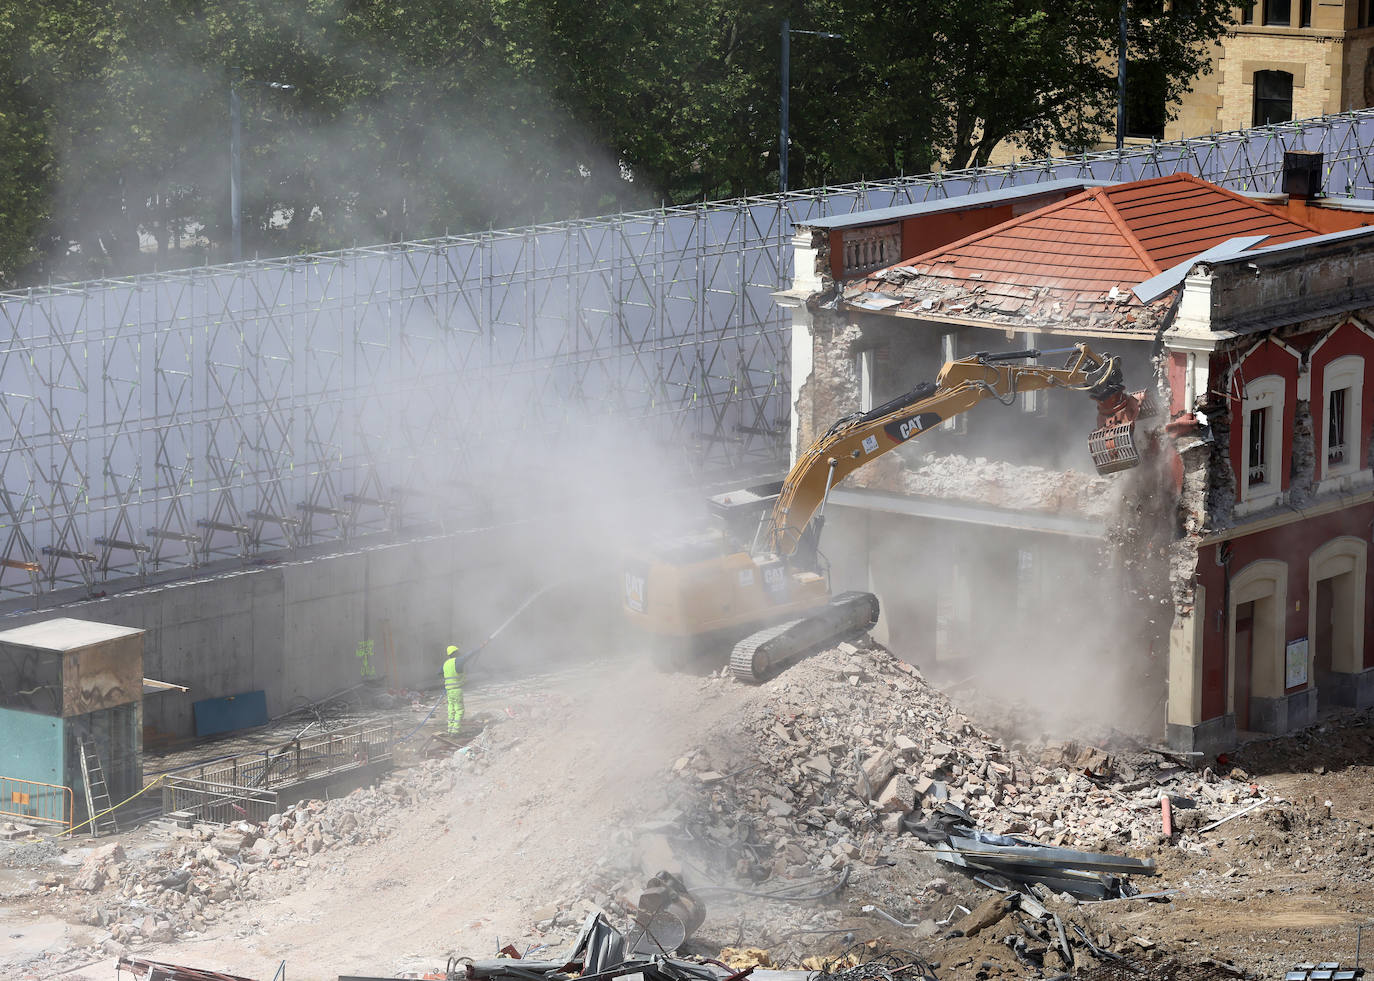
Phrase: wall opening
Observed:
(1336, 590)
(1244, 647)
(1256, 640)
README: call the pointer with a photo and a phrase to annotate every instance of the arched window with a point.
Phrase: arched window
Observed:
(1273, 97)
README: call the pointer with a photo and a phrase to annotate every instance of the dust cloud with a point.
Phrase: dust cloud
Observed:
(1055, 632)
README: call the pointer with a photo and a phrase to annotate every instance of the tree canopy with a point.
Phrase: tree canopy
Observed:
(407, 120)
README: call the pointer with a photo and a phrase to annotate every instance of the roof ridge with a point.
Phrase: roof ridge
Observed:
(1127, 232)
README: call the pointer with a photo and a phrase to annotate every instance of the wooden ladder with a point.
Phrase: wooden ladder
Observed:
(97, 793)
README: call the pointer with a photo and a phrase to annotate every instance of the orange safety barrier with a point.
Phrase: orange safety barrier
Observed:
(30, 800)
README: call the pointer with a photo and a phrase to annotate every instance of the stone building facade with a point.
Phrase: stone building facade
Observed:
(1283, 59)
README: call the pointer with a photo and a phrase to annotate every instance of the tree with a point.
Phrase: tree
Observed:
(406, 121)
(973, 74)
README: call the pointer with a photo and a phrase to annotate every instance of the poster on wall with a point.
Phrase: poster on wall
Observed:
(1296, 661)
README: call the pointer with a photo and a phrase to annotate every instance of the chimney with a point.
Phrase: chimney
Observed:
(1302, 174)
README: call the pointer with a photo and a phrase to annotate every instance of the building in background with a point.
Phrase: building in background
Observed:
(1284, 59)
(1222, 585)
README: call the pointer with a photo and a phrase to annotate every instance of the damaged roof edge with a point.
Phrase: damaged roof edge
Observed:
(979, 199)
(1058, 327)
(1330, 238)
(1156, 286)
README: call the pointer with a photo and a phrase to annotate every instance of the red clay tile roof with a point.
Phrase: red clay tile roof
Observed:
(1075, 261)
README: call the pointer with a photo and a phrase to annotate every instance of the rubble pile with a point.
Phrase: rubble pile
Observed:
(994, 483)
(1005, 485)
(181, 888)
(811, 815)
(857, 747)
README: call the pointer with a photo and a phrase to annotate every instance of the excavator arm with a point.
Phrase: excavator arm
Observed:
(962, 384)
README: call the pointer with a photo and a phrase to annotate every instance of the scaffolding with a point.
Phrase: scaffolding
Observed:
(161, 422)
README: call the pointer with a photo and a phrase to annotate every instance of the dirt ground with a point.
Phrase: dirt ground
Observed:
(513, 851)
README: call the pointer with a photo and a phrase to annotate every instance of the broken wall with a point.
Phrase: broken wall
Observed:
(990, 592)
(1032, 453)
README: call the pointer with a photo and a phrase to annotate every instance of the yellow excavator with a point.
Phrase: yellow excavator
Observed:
(691, 592)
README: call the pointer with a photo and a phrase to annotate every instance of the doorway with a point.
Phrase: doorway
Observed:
(1323, 638)
(1245, 642)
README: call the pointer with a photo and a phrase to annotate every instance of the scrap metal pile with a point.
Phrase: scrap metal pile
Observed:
(1086, 875)
(602, 953)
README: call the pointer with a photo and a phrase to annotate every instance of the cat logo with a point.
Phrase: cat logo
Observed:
(634, 592)
(904, 429)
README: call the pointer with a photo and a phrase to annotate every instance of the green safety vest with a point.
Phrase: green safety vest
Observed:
(453, 678)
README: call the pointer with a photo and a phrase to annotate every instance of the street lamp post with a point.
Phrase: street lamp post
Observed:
(235, 172)
(787, 33)
(236, 157)
(1121, 79)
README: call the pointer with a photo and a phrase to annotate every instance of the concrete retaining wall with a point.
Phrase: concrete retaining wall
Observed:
(293, 628)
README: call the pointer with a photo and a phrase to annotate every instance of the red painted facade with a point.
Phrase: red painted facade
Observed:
(925, 233)
(1294, 544)
(1345, 340)
(1178, 383)
(1268, 358)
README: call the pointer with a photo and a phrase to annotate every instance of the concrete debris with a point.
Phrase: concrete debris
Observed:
(994, 483)
(99, 866)
(10, 831)
(990, 913)
(180, 890)
(914, 754)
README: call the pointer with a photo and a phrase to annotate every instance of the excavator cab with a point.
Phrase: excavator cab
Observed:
(741, 512)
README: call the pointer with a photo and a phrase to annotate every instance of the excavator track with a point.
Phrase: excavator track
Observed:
(758, 656)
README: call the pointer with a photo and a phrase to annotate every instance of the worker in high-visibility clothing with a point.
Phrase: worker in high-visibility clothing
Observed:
(453, 685)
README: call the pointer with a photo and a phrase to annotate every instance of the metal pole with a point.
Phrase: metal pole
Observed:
(235, 173)
(782, 140)
(1121, 82)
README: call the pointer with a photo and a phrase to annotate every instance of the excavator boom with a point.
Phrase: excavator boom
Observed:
(699, 588)
(961, 384)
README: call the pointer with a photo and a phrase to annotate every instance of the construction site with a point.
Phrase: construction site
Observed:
(960, 576)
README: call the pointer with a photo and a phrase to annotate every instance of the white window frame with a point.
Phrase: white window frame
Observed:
(1344, 372)
(949, 351)
(865, 366)
(1033, 402)
(1265, 392)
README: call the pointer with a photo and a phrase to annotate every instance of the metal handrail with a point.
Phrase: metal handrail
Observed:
(300, 759)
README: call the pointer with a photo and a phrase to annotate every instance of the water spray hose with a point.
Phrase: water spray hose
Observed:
(477, 650)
